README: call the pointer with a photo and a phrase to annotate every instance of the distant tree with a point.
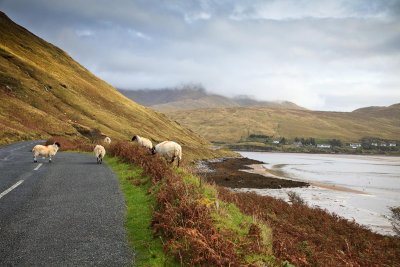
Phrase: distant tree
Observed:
(283, 141)
(296, 139)
(335, 142)
(308, 141)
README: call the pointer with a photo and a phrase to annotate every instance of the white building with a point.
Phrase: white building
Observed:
(392, 144)
(356, 145)
(323, 145)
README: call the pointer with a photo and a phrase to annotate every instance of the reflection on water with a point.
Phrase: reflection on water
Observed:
(376, 176)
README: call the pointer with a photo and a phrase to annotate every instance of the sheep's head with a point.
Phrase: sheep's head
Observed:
(153, 150)
(134, 137)
(57, 144)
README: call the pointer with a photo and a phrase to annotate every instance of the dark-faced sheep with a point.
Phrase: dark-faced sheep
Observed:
(107, 140)
(142, 141)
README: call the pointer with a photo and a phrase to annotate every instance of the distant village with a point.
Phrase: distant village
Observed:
(366, 144)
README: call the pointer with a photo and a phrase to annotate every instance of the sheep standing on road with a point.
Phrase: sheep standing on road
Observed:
(99, 152)
(169, 150)
(143, 141)
(45, 151)
(107, 140)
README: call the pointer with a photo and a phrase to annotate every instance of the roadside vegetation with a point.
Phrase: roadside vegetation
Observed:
(307, 236)
(139, 210)
(185, 221)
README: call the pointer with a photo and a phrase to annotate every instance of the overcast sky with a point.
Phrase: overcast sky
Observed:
(323, 55)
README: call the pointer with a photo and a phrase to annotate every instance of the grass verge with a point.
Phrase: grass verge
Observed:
(140, 205)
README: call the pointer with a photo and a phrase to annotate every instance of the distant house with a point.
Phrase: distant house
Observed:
(382, 144)
(355, 145)
(323, 146)
(392, 144)
(275, 142)
(374, 144)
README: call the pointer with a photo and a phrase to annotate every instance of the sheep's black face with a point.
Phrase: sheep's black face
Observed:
(57, 144)
(153, 150)
(134, 138)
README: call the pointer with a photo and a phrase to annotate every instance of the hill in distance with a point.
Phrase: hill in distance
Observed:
(229, 125)
(45, 93)
(191, 97)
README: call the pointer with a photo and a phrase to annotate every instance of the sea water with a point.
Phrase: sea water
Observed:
(373, 183)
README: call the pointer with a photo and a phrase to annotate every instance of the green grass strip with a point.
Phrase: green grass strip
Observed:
(140, 205)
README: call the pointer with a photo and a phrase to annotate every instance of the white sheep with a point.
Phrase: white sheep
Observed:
(143, 141)
(45, 151)
(107, 140)
(99, 152)
(169, 150)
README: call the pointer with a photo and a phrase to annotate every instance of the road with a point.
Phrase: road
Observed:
(66, 213)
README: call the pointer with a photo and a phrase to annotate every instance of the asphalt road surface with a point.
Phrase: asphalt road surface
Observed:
(66, 213)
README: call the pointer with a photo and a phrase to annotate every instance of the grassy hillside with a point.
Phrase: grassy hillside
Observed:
(231, 124)
(44, 93)
(193, 97)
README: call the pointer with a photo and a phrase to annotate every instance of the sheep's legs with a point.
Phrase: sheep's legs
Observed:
(50, 159)
(34, 159)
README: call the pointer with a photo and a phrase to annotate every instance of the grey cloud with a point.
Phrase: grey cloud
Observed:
(312, 52)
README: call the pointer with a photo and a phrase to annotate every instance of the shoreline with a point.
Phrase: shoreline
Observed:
(236, 173)
(262, 170)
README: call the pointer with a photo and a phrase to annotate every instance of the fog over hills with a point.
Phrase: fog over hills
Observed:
(189, 97)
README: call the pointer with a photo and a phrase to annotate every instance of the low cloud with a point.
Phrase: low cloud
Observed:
(319, 54)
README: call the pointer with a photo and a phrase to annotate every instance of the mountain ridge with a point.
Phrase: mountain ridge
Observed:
(194, 97)
(229, 125)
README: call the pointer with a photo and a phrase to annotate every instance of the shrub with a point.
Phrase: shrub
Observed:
(295, 198)
(395, 219)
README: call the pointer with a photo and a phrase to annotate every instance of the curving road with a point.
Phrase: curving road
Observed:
(66, 213)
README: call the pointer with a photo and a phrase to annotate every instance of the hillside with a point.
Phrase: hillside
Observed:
(45, 93)
(231, 124)
(193, 97)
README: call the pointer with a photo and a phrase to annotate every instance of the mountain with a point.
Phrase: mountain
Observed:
(45, 93)
(392, 111)
(231, 124)
(194, 97)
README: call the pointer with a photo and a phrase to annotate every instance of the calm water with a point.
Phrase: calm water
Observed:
(377, 177)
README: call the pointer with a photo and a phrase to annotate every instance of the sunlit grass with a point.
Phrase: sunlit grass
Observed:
(140, 205)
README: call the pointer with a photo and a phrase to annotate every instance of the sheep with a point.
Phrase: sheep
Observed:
(169, 150)
(107, 140)
(99, 152)
(143, 141)
(46, 151)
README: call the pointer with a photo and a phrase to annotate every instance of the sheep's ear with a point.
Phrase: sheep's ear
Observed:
(133, 138)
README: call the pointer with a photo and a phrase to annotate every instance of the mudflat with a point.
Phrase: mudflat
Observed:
(233, 172)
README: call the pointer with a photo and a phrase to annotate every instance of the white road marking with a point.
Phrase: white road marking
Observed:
(38, 166)
(11, 188)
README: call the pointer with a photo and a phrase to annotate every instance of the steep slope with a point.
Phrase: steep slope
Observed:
(44, 93)
(192, 97)
(231, 124)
